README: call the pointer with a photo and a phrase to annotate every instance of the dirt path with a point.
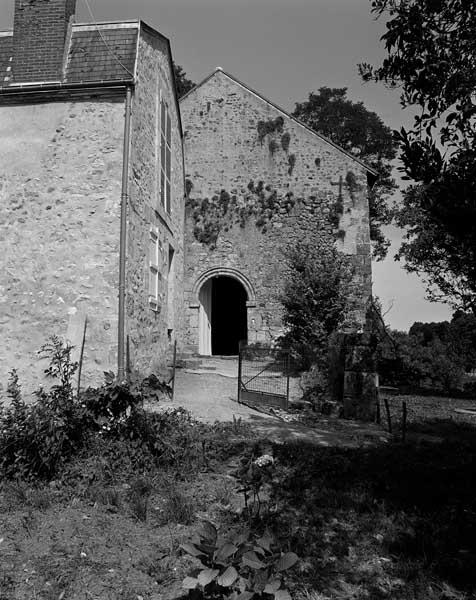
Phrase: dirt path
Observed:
(210, 394)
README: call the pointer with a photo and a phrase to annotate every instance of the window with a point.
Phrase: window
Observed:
(165, 155)
(154, 274)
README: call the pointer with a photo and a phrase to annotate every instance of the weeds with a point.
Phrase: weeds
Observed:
(177, 507)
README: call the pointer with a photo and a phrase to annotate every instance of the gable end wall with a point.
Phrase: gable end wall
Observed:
(223, 152)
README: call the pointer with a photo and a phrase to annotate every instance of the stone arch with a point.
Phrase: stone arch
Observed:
(222, 292)
(225, 272)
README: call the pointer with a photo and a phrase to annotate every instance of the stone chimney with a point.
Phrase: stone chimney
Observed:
(40, 29)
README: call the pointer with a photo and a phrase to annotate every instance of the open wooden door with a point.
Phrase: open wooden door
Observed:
(205, 319)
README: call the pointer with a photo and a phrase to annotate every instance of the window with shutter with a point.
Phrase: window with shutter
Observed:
(154, 254)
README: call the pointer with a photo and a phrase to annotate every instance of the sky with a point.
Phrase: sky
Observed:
(284, 49)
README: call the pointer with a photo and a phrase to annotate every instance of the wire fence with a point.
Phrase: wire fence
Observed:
(263, 375)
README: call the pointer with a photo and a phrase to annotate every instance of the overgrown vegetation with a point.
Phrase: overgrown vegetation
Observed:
(212, 216)
(314, 300)
(430, 57)
(39, 439)
(269, 127)
(147, 504)
(431, 357)
(182, 82)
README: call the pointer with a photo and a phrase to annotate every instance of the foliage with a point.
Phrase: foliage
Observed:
(273, 146)
(285, 141)
(269, 127)
(291, 163)
(252, 475)
(37, 439)
(212, 216)
(361, 132)
(431, 56)
(182, 82)
(241, 567)
(323, 383)
(315, 298)
(431, 356)
(336, 212)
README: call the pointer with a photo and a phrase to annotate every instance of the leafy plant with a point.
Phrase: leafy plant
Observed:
(241, 567)
(60, 368)
(36, 439)
(253, 474)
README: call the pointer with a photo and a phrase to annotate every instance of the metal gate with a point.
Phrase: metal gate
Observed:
(263, 375)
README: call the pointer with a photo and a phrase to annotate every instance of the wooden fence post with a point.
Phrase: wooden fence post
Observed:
(387, 408)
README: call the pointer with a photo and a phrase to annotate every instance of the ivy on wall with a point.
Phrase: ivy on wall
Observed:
(291, 163)
(213, 215)
(269, 127)
(261, 204)
(272, 128)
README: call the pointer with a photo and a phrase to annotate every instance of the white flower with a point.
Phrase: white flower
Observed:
(264, 461)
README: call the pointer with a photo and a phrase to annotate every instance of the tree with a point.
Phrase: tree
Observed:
(314, 300)
(361, 132)
(431, 56)
(183, 83)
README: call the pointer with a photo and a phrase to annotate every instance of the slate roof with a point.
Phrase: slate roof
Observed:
(370, 170)
(100, 52)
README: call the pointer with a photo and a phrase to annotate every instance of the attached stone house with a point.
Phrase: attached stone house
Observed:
(257, 180)
(89, 125)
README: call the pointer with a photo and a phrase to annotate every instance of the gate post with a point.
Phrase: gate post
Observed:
(239, 370)
(360, 377)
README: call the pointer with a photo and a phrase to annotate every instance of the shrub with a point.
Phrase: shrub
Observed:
(240, 566)
(36, 439)
(314, 299)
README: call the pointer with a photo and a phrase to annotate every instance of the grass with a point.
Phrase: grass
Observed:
(392, 521)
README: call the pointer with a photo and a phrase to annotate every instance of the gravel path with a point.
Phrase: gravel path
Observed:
(210, 395)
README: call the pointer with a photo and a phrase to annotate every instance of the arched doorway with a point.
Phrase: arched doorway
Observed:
(222, 317)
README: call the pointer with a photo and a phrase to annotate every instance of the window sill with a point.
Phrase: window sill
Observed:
(154, 305)
(164, 215)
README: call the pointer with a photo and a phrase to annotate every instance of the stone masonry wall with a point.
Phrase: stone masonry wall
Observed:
(225, 151)
(151, 331)
(60, 193)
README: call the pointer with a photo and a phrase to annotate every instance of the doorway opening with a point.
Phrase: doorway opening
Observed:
(222, 317)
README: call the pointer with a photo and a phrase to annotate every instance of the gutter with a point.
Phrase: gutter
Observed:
(25, 88)
(123, 240)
